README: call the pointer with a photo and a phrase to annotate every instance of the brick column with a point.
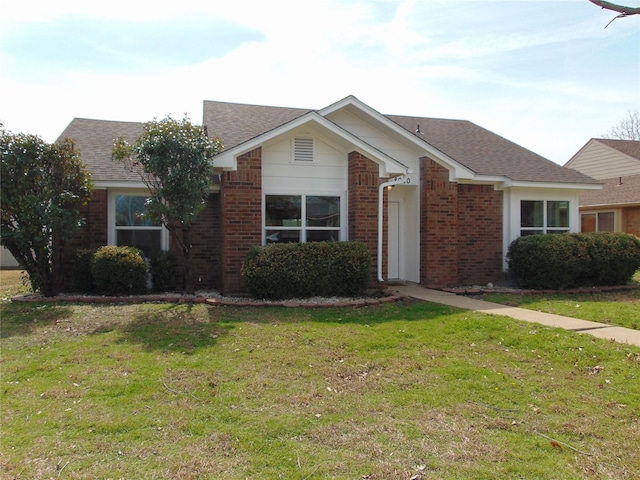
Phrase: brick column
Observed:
(438, 226)
(241, 217)
(363, 207)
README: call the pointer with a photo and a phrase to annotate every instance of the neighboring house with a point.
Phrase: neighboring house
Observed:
(6, 259)
(437, 202)
(615, 208)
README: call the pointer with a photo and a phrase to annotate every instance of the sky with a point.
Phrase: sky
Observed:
(545, 74)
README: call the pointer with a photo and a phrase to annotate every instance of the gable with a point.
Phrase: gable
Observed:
(605, 158)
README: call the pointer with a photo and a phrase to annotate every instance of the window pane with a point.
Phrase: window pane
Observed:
(146, 240)
(282, 236)
(531, 213)
(588, 222)
(557, 214)
(606, 222)
(283, 211)
(323, 235)
(323, 211)
(131, 211)
(524, 233)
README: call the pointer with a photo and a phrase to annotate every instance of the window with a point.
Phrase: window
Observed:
(597, 222)
(543, 216)
(284, 216)
(134, 227)
(303, 149)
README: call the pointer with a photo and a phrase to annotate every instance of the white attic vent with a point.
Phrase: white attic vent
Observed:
(303, 149)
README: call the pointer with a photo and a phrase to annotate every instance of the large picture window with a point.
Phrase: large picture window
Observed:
(301, 218)
(133, 225)
(543, 216)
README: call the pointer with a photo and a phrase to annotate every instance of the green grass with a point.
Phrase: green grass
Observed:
(391, 392)
(614, 308)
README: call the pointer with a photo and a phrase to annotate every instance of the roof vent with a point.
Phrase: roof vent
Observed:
(303, 149)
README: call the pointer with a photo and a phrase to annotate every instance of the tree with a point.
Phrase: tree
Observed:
(174, 160)
(623, 10)
(628, 128)
(43, 187)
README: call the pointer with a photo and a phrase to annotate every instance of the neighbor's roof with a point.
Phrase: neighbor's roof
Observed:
(616, 191)
(95, 139)
(628, 147)
(478, 149)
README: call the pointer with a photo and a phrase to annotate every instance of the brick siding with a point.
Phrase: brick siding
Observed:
(632, 220)
(363, 207)
(240, 217)
(460, 230)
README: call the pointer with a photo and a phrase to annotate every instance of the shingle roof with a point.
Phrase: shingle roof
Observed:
(486, 153)
(615, 191)
(478, 149)
(95, 139)
(629, 147)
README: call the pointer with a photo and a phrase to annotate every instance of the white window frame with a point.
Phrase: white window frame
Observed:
(616, 216)
(545, 220)
(303, 205)
(112, 230)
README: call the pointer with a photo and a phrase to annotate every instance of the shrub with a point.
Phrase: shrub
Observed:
(119, 270)
(163, 275)
(576, 259)
(81, 276)
(288, 270)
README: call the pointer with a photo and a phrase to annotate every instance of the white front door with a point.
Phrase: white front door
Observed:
(393, 240)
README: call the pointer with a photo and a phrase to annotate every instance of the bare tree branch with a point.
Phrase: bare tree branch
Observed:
(625, 11)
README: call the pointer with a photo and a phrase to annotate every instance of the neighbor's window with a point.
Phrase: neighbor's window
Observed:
(597, 222)
(134, 227)
(543, 216)
(301, 218)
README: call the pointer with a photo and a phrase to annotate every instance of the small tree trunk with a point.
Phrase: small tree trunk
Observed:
(187, 255)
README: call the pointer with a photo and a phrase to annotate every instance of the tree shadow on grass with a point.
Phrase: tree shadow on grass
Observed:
(176, 328)
(20, 319)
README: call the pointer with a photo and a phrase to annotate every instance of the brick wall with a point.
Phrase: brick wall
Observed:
(438, 226)
(460, 230)
(205, 241)
(94, 233)
(632, 220)
(363, 207)
(240, 217)
(479, 234)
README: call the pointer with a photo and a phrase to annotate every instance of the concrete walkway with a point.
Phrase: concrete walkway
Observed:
(600, 330)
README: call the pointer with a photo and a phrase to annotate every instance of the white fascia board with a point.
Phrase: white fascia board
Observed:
(558, 185)
(425, 149)
(228, 160)
(106, 184)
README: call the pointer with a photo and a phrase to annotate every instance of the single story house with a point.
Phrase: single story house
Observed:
(615, 208)
(437, 202)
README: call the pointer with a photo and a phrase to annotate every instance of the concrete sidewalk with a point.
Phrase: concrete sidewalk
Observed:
(601, 330)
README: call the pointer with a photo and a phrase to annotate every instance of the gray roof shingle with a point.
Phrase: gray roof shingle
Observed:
(629, 147)
(95, 139)
(615, 191)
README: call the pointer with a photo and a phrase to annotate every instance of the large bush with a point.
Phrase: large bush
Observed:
(575, 259)
(119, 270)
(80, 271)
(289, 270)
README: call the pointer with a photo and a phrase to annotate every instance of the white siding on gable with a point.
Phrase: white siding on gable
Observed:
(601, 161)
(326, 175)
(375, 138)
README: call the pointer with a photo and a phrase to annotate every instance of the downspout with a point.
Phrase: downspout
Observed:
(399, 180)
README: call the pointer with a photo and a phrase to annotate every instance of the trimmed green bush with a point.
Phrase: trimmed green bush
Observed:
(300, 270)
(119, 270)
(573, 259)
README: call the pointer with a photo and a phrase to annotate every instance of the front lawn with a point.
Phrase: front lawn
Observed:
(615, 308)
(406, 390)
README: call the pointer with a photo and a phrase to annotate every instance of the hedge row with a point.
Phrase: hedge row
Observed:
(114, 270)
(299, 270)
(574, 259)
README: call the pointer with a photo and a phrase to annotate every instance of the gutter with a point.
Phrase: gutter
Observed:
(399, 180)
